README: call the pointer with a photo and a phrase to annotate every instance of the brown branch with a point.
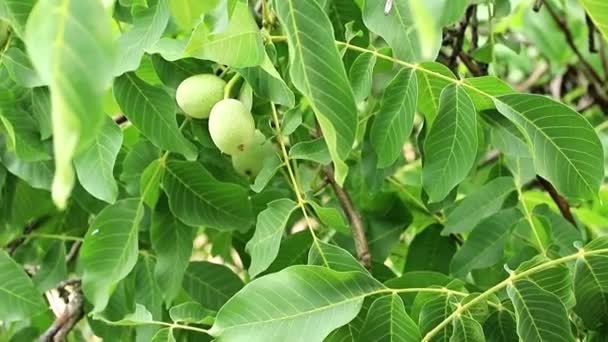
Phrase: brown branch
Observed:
(529, 82)
(563, 26)
(29, 228)
(72, 314)
(474, 31)
(590, 34)
(561, 202)
(459, 37)
(354, 218)
(470, 64)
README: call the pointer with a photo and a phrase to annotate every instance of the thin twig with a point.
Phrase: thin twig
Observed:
(470, 64)
(537, 73)
(538, 4)
(73, 251)
(459, 37)
(474, 30)
(590, 34)
(354, 218)
(560, 201)
(29, 228)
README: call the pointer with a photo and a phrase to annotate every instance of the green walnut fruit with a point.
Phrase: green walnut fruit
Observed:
(196, 95)
(250, 162)
(231, 126)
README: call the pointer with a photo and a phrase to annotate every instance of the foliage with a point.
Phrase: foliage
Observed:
(331, 170)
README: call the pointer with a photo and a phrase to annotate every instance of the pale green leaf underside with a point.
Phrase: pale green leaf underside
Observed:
(565, 147)
(282, 305)
(264, 245)
(70, 44)
(148, 25)
(394, 122)
(19, 299)
(152, 110)
(541, 316)
(478, 205)
(317, 71)
(109, 251)
(198, 199)
(387, 320)
(95, 165)
(450, 148)
(239, 45)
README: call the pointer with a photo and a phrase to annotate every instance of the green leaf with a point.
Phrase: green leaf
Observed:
(148, 26)
(485, 201)
(53, 268)
(73, 52)
(491, 86)
(598, 11)
(189, 312)
(467, 329)
(109, 251)
(591, 285)
(264, 245)
(400, 30)
(484, 246)
(282, 305)
(148, 292)
(41, 111)
(387, 321)
(541, 316)
(172, 243)
(16, 13)
(435, 309)
(135, 162)
(150, 183)
(239, 45)
(313, 150)
(22, 135)
(450, 148)
(317, 71)
(211, 285)
(293, 251)
(505, 136)
(500, 327)
(198, 199)
(360, 75)
(152, 111)
(187, 13)
(267, 83)
(429, 251)
(20, 68)
(430, 87)
(95, 165)
(19, 299)
(38, 174)
(334, 257)
(565, 235)
(164, 335)
(549, 128)
(394, 122)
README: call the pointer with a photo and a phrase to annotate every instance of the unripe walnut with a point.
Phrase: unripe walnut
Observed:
(196, 95)
(251, 161)
(231, 126)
